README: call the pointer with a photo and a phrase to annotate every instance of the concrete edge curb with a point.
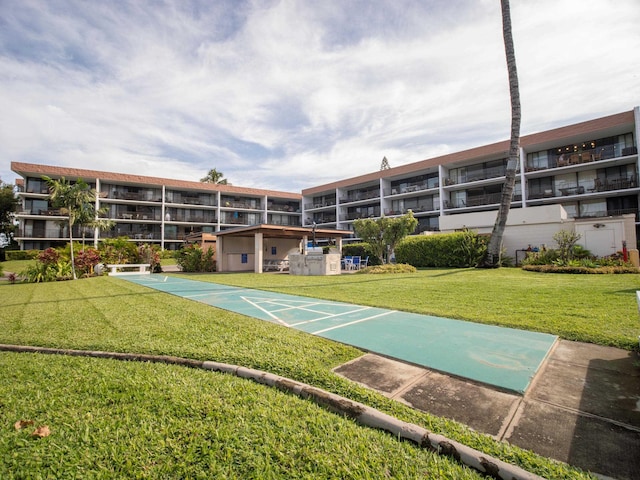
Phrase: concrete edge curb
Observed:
(359, 412)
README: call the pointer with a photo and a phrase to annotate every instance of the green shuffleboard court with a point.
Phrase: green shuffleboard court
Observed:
(503, 357)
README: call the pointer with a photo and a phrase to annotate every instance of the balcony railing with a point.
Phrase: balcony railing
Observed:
(240, 204)
(359, 196)
(327, 203)
(608, 213)
(325, 219)
(358, 215)
(568, 159)
(282, 208)
(598, 185)
(410, 188)
(476, 176)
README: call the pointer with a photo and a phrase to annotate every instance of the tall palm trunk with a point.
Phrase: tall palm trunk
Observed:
(492, 258)
(73, 262)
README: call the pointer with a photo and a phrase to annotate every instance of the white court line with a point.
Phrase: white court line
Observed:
(354, 322)
(217, 293)
(265, 311)
(287, 308)
(335, 315)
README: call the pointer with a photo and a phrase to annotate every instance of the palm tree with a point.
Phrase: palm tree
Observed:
(492, 257)
(89, 217)
(72, 200)
(214, 176)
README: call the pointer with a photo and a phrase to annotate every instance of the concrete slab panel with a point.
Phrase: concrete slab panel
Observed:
(483, 409)
(608, 387)
(591, 443)
(379, 373)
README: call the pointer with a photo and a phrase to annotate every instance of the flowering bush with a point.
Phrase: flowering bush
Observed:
(85, 261)
(50, 256)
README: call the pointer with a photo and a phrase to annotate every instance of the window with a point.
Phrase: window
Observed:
(537, 161)
(540, 187)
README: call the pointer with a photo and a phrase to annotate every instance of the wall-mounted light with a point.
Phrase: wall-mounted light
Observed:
(598, 225)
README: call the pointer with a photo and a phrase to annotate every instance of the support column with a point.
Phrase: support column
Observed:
(258, 249)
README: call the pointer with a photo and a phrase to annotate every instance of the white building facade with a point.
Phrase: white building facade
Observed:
(589, 169)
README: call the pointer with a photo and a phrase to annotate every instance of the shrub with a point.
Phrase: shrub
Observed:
(566, 240)
(47, 272)
(192, 258)
(580, 269)
(118, 250)
(543, 257)
(149, 254)
(50, 256)
(389, 268)
(459, 249)
(22, 254)
(85, 261)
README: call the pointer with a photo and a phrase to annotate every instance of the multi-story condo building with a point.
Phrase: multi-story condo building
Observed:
(590, 168)
(147, 209)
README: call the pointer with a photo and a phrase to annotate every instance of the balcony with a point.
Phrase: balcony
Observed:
(325, 219)
(240, 204)
(579, 157)
(358, 215)
(599, 185)
(290, 222)
(615, 184)
(410, 188)
(360, 196)
(477, 176)
(320, 204)
(275, 207)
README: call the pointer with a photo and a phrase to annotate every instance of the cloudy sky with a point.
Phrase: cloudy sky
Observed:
(288, 94)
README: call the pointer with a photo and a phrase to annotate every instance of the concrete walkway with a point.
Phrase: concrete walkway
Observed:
(583, 408)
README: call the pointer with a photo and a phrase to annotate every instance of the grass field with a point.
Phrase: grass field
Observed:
(112, 419)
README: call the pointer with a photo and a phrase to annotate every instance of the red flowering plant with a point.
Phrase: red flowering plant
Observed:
(86, 260)
(50, 256)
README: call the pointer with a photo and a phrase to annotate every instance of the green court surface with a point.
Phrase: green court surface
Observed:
(502, 357)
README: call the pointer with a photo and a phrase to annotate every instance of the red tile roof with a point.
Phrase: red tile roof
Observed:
(32, 169)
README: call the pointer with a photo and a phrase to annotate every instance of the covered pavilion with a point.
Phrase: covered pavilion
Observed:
(247, 249)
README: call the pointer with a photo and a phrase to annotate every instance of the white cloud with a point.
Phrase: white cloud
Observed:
(288, 94)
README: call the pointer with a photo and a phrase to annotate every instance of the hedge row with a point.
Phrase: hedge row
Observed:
(583, 270)
(22, 254)
(459, 250)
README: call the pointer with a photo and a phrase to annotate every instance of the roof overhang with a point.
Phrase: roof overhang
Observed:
(280, 231)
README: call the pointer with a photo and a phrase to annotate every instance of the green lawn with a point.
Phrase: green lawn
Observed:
(112, 419)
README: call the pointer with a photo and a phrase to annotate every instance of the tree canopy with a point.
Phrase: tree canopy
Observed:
(8, 205)
(384, 234)
(76, 201)
(214, 176)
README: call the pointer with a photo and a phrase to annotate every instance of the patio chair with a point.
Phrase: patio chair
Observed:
(364, 263)
(346, 262)
(355, 263)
